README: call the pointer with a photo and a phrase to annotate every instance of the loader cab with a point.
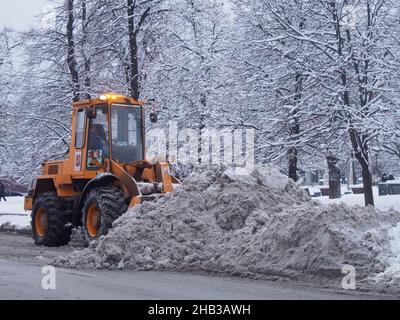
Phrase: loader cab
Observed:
(108, 129)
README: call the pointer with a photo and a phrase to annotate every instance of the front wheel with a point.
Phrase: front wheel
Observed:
(102, 207)
(49, 224)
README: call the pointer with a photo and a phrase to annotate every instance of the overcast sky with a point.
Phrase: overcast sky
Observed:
(20, 14)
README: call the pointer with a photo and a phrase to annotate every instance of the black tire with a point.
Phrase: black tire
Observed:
(111, 204)
(57, 233)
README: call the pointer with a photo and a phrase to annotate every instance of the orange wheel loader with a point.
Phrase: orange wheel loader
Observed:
(105, 174)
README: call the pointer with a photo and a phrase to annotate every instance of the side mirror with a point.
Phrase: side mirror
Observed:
(91, 113)
(153, 117)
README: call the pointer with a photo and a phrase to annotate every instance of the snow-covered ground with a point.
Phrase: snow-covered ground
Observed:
(12, 213)
(12, 206)
(383, 203)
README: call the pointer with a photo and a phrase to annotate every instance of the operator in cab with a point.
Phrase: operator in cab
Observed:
(98, 143)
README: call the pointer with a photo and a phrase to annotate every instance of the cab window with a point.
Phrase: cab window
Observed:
(98, 145)
(80, 129)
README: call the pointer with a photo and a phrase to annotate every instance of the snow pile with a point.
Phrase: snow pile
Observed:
(242, 223)
(10, 227)
(390, 277)
(15, 223)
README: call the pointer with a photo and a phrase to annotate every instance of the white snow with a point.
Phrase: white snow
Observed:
(15, 221)
(393, 182)
(266, 175)
(313, 190)
(391, 259)
(240, 175)
(13, 205)
(383, 203)
(271, 177)
(221, 223)
(12, 213)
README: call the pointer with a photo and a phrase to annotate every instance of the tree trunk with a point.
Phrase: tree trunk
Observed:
(133, 48)
(361, 154)
(294, 154)
(295, 128)
(293, 162)
(354, 169)
(335, 191)
(201, 142)
(87, 60)
(368, 191)
(71, 59)
(202, 126)
(360, 147)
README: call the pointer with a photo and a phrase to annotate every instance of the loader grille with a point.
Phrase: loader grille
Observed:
(53, 170)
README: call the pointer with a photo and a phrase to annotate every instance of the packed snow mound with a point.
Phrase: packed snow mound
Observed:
(244, 223)
(390, 277)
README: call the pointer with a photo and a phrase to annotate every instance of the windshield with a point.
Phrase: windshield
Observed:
(126, 123)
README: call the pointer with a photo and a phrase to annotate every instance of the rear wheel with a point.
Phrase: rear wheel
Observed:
(102, 207)
(49, 224)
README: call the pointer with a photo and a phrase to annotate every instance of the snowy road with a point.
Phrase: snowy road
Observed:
(23, 281)
(20, 278)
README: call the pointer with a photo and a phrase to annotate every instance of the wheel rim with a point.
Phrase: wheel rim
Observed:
(93, 220)
(41, 222)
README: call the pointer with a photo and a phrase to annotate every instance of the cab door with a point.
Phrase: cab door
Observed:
(98, 145)
(80, 138)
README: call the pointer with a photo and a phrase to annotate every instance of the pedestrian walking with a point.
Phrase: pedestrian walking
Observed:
(2, 192)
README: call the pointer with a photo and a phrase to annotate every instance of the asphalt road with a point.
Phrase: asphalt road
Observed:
(21, 278)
